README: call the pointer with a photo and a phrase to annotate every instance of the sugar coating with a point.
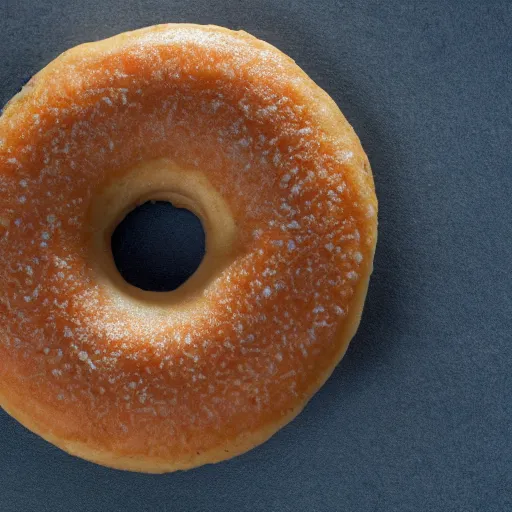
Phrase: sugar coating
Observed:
(266, 328)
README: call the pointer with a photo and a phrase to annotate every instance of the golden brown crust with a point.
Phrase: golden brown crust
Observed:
(123, 379)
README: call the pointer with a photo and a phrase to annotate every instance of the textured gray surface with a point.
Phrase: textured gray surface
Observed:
(418, 416)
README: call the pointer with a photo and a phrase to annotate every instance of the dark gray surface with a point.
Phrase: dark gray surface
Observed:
(418, 416)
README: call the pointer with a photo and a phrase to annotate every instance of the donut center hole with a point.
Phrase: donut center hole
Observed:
(158, 246)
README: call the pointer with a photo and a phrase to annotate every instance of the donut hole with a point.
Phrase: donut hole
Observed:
(136, 250)
(157, 246)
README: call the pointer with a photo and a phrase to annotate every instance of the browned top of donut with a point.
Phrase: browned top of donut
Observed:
(86, 366)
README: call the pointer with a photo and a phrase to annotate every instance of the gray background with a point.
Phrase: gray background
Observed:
(418, 415)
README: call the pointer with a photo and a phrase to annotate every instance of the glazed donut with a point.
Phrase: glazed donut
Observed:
(229, 127)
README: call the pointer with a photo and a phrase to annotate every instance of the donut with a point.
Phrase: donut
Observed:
(227, 126)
